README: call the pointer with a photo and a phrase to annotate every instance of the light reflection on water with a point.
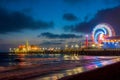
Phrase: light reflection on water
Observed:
(80, 63)
(77, 70)
(84, 63)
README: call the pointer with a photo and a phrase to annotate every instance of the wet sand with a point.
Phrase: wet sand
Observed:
(30, 71)
(109, 72)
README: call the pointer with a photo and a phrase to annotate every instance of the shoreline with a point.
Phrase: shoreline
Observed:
(109, 72)
(26, 72)
(20, 72)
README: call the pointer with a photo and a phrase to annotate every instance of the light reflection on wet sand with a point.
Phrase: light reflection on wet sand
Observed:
(96, 62)
(55, 66)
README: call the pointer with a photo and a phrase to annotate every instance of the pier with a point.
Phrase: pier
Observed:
(92, 52)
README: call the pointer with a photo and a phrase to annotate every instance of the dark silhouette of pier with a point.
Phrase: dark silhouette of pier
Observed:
(90, 52)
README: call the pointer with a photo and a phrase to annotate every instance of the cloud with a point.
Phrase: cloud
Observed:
(50, 43)
(17, 21)
(69, 17)
(83, 27)
(110, 16)
(61, 36)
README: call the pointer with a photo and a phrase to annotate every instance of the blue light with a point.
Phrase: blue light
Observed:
(97, 34)
(105, 32)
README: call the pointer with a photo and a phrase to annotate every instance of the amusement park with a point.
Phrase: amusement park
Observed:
(104, 36)
(59, 39)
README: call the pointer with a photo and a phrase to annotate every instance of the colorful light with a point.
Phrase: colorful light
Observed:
(101, 31)
(97, 36)
(86, 42)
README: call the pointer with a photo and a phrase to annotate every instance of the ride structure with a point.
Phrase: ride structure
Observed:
(104, 36)
(101, 32)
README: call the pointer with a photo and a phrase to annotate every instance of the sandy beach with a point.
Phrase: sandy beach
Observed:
(109, 72)
(30, 71)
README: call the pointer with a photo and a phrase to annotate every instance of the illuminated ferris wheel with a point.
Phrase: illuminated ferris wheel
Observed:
(102, 31)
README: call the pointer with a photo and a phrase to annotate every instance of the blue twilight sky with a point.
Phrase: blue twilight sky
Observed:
(53, 22)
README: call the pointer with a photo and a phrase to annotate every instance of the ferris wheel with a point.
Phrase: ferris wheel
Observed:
(102, 31)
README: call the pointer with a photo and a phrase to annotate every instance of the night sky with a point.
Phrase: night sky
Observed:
(53, 22)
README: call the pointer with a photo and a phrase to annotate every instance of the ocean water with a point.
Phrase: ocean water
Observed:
(82, 63)
(7, 59)
(13, 59)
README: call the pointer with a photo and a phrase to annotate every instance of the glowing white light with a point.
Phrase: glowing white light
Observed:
(102, 29)
(96, 36)
(86, 35)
